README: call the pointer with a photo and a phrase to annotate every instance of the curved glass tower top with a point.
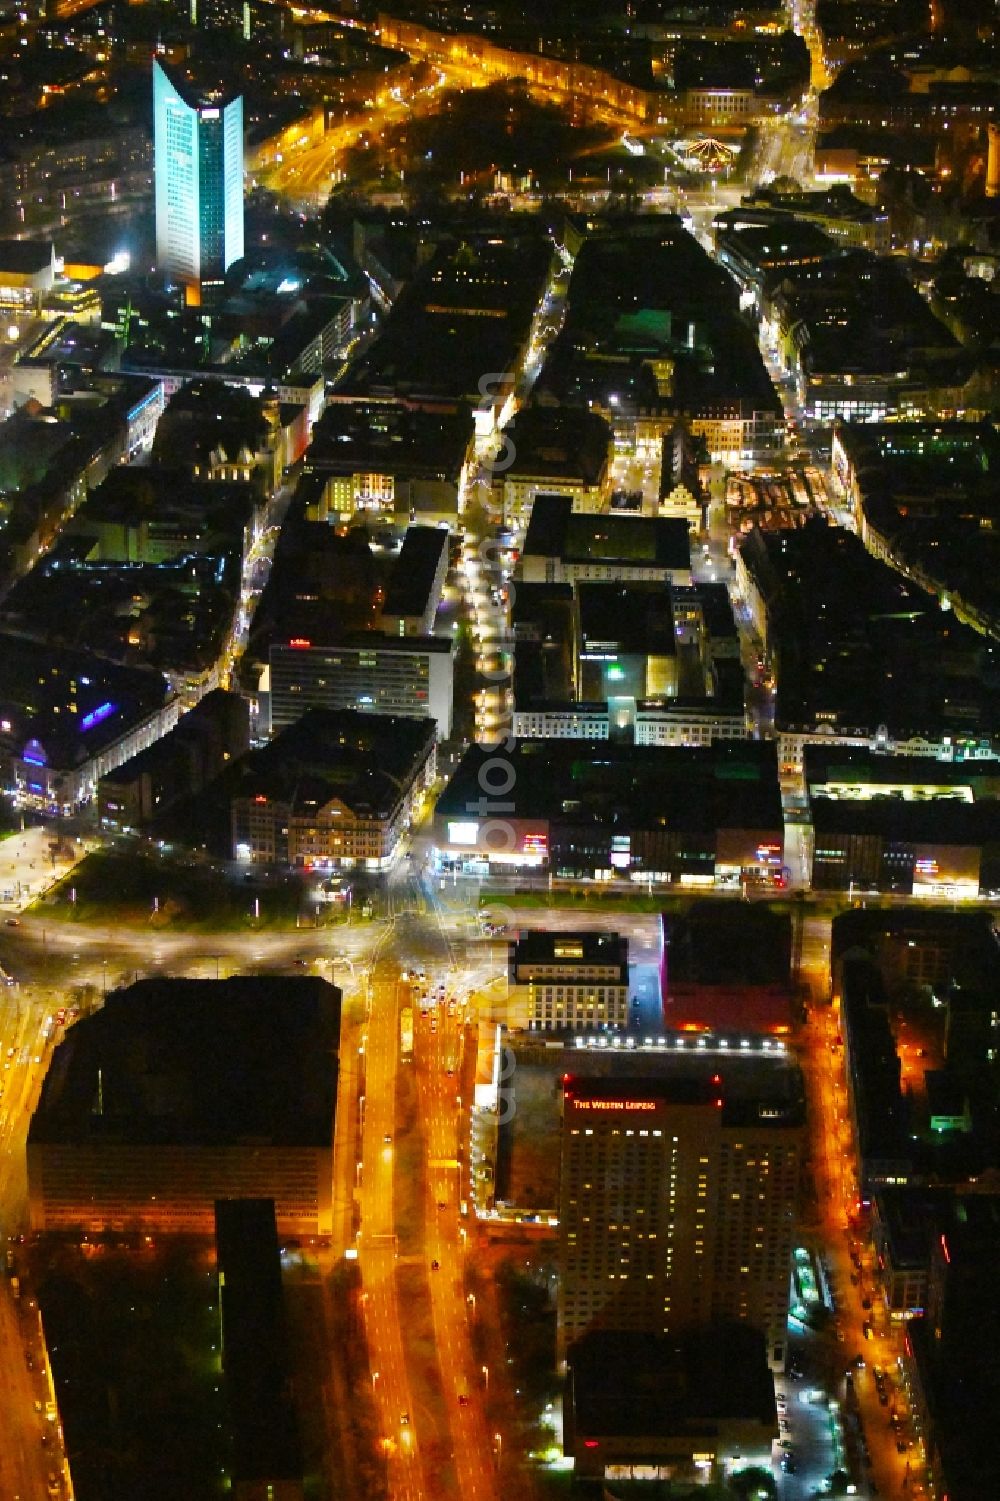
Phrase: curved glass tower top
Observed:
(198, 168)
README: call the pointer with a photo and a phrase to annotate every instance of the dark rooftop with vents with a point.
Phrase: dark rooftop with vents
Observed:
(172, 1062)
(555, 532)
(625, 1384)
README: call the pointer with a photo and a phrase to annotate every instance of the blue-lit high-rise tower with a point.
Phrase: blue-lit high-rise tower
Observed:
(198, 165)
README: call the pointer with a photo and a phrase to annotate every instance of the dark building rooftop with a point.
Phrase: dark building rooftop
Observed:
(866, 927)
(205, 415)
(321, 585)
(562, 443)
(945, 821)
(955, 1346)
(907, 1216)
(25, 257)
(728, 943)
(758, 249)
(651, 263)
(543, 675)
(543, 613)
(197, 1063)
(534, 946)
(716, 611)
(637, 1386)
(215, 730)
(726, 785)
(255, 1357)
(929, 494)
(643, 291)
(467, 311)
(880, 1113)
(173, 615)
(390, 437)
(859, 315)
(363, 760)
(859, 646)
(756, 1086)
(414, 572)
(636, 617)
(856, 770)
(555, 532)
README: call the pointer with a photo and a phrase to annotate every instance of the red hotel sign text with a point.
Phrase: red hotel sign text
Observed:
(614, 1104)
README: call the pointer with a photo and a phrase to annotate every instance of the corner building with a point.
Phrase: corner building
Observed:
(178, 1093)
(676, 1206)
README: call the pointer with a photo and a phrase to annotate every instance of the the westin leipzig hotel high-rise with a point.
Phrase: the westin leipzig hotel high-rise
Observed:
(676, 1206)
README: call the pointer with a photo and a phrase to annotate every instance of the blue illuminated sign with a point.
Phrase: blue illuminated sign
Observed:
(34, 754)
(96, 715)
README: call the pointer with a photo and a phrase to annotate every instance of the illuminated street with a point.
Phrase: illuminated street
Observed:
(440, 1038)
(30, 1444)
(377, 1250)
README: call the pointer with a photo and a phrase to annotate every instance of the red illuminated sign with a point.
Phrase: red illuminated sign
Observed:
(300, 642)
(614, 1104)
(535, 844)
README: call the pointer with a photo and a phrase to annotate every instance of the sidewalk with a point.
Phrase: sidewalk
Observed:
(28, 867)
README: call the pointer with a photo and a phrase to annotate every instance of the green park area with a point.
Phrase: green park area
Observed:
(588, 898)
(594, 898)
(164, 893)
